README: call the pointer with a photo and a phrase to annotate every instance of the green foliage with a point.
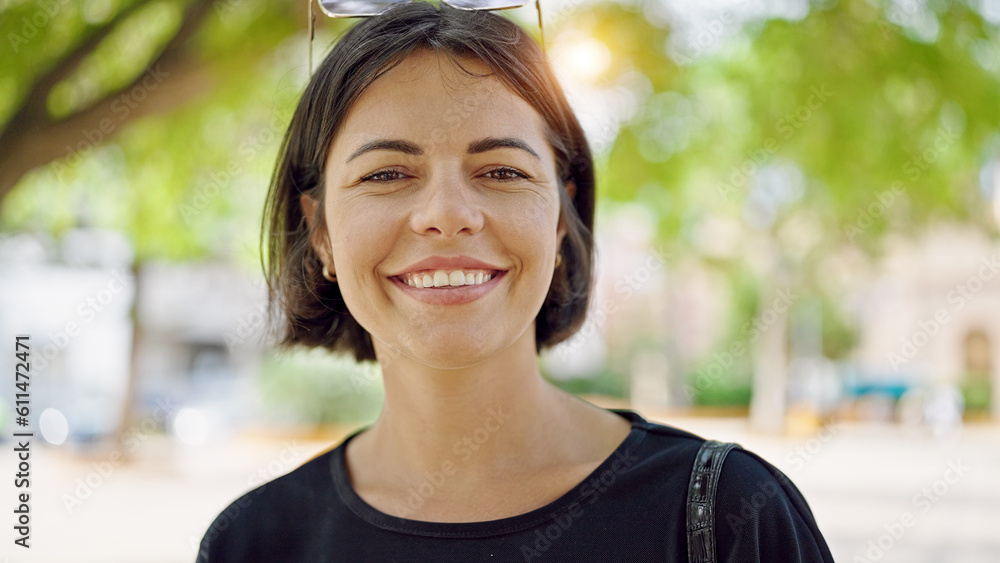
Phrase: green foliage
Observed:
(852, 100)
(977, 391)
(733, 387)
(879, 99)
(892, 94)
(746, 301)
(731, 394)
(122, 55)
(607, 383)
(317, 387)
(839, 334)
(185, 183)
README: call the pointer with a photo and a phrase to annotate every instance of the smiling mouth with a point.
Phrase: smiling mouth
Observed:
(444, 279)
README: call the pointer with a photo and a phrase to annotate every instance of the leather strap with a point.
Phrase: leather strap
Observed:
(701, 500)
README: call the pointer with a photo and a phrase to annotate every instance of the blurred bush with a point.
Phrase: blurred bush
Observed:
(316, 387)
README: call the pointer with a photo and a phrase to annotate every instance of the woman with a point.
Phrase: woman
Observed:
(432, 211)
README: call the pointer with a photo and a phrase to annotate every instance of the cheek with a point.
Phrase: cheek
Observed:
(359, 235)
(360, 239)
(529, 229)
(538, 217)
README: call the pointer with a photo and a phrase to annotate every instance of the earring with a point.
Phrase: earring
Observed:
(326, 274)
(558, 259)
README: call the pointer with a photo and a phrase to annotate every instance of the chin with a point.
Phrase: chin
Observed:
(454, 356)
(452, 347)
(454, 352)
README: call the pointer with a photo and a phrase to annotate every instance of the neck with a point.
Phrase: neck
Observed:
(476, 417)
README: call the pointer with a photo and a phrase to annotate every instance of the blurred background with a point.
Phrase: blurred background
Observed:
(797, 240)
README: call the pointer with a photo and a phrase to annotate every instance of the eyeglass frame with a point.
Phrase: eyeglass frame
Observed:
(312, 20)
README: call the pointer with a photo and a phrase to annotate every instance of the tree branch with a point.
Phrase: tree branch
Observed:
(32, 139)
(33, 107)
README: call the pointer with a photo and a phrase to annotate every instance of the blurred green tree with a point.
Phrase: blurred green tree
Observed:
(813, 137)
(810, 136)
(159, 118)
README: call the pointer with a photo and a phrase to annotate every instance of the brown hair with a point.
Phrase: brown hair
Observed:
(314, 310)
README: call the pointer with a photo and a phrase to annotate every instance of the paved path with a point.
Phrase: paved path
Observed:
(866, 484)
(883, 494)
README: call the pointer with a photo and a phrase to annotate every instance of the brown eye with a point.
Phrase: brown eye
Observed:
(380, 176)
(507, 174)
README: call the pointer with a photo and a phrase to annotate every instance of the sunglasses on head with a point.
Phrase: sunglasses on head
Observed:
(367, 8)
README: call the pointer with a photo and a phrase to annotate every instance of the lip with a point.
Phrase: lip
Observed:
(453, 296)
(447, 263)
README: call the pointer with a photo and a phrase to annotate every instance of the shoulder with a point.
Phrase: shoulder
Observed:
(659, 453)
(762, 516)
(262, 514)
(667, 447)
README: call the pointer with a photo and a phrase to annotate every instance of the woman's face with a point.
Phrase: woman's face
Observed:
(432, 164)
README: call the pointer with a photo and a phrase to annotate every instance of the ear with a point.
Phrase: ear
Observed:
(319, 240)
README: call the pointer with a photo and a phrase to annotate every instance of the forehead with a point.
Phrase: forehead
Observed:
(428, 99)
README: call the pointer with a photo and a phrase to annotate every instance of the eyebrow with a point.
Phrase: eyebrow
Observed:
(475, 147)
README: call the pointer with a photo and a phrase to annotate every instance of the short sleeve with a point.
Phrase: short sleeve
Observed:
(231, 536)
(761, 516)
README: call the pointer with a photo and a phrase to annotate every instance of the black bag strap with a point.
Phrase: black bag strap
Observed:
(701, 500)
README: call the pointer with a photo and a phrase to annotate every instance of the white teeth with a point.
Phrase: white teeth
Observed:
(444, 278)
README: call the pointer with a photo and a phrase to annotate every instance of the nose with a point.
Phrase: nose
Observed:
(447, 205)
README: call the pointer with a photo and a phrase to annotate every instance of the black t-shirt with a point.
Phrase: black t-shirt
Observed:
(630, 509)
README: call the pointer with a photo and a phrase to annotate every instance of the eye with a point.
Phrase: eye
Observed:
(508, 174)
(381, 176)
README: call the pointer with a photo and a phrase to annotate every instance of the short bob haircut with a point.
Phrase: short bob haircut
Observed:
(313, 308)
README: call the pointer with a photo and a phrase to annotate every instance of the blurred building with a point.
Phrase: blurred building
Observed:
(196, 343)
(932, 312)
(73, 300)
